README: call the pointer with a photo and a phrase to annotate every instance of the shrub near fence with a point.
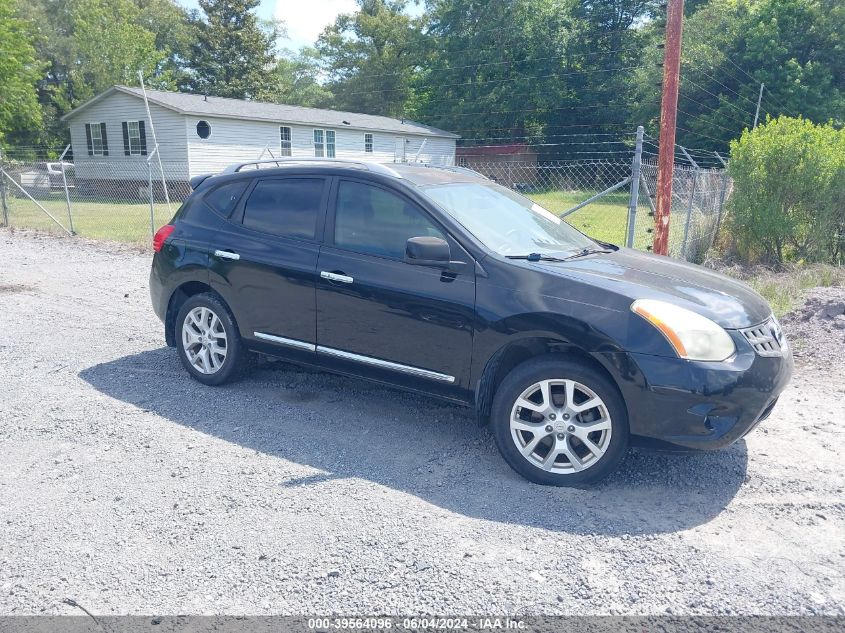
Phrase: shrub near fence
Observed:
(97, 204)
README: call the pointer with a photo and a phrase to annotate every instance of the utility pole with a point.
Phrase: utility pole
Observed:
(759, 101)
(668, 119)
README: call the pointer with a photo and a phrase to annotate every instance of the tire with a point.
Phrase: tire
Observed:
(585, 444)
(212, 331)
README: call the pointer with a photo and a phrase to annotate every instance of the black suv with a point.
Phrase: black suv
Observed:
(436, 279)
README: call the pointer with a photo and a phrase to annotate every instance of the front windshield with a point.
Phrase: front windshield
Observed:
(506, 222)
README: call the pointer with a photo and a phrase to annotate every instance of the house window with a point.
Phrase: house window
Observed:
(368, 143)
(284, 134)
(324, 143)
(203, 129)
(134, 138)
(98, 144)
(330, 143)
(319, 144)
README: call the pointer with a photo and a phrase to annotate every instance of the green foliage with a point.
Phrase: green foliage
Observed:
(795, 47)
(788, 201)
(369, 57)
(293, 81)
(19, 72)
(233, 50)
(109, 47)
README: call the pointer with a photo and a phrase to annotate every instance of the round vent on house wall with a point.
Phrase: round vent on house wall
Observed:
(203, 129)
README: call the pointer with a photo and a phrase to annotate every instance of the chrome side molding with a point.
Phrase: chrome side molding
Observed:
(386, 364)
(360, 358)
(290, 342)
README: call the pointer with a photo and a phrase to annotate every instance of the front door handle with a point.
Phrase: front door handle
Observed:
(344, 279)
(226, 255)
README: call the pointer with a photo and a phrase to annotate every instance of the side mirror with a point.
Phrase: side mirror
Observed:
(428, 251)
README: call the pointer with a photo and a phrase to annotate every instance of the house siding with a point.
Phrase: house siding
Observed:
(233, 141)
(113, 111)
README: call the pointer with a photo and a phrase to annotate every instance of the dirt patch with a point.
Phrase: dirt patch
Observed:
(12, 288)
(817, 327)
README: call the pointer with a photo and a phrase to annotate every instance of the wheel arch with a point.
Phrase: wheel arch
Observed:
(514, 353)
(178, 297)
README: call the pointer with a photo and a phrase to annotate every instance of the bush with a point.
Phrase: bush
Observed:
(788, 202)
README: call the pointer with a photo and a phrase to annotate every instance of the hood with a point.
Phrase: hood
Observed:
(637, 275)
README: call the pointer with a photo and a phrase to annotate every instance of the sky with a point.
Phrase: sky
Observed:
(305, 19)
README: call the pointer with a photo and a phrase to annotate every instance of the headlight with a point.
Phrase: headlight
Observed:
(693, 336)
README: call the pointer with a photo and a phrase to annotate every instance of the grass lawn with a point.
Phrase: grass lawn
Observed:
(605, 219)
(122, 221)
(108, 220)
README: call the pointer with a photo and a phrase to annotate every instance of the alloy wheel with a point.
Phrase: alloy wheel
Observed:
(204, 340)
(560, 426)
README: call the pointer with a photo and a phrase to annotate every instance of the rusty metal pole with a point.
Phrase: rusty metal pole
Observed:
(668, 118)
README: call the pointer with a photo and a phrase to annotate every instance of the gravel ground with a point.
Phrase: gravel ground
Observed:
(131, 489)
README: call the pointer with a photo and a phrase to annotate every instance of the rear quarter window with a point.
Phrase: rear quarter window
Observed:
(223, 198)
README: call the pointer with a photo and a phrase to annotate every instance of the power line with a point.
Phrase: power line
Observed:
(500, 63)
(698, 118)
(712, 78)
(735, 107)
(738, 67)
(495, 81)
(712, 109)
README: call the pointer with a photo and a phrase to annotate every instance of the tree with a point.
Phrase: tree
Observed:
(293, 81)
(789, 192)
(19, 72)
(87, 46)
(234, 50)
(175, 33)
(794, 47)
(368, 57)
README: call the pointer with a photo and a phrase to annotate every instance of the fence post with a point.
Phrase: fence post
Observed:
(691, 201)
(635, 187)
(722, 194)
(152, 208)
(4, 200)
(67, 193)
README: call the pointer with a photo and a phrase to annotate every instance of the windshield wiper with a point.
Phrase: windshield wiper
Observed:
(587, 251)
(536, 257)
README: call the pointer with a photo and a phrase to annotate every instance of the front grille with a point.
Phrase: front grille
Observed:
(766, 338)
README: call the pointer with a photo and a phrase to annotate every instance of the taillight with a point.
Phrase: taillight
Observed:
(161, 236)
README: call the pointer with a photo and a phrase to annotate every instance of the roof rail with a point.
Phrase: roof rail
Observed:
(282, 161)
(453, 168)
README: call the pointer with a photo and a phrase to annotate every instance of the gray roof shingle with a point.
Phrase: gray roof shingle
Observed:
(199, 105)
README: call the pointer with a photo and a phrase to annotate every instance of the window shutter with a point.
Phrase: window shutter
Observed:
(105, 140)
(126, 151)
(143, 138)
(88, 139)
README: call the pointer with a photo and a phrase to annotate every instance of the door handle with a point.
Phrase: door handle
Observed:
(226, 255)
(344, 279)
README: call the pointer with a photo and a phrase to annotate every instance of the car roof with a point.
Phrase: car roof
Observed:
(417, 174)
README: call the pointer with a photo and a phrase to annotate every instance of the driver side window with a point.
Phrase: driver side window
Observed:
(371, 220)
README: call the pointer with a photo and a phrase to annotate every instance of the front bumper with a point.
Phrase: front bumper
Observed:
(699, 405)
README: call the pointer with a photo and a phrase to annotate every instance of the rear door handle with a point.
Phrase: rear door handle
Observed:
(344, 279)
(226, 255)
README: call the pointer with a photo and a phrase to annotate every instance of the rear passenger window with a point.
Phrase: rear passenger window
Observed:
(286, 207)
(224, 198)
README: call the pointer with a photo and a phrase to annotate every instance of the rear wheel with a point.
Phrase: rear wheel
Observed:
(559, 422)
(207, 340)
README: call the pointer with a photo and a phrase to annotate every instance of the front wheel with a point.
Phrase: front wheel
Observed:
(207, 340)
(559, 422)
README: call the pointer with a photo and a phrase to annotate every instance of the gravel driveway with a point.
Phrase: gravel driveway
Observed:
(129, 488)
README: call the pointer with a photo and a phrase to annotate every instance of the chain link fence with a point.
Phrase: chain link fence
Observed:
(117, 200)
(123, 199)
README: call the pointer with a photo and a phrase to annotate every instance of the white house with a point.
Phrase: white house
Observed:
(112, 138)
